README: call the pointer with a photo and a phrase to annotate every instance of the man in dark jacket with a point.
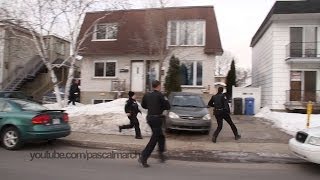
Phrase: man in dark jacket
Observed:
(222, 111)
(74, 92)
(156, 103)
(132, 110)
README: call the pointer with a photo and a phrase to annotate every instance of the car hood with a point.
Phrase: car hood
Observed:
(313, 131)
(189, 111)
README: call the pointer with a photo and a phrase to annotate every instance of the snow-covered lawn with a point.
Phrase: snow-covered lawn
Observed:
(289, 122)
(106, 117)
(102, 118)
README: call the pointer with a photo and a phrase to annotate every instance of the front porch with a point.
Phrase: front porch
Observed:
(298, 100)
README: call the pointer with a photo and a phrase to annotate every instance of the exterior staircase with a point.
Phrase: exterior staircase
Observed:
(22, 74)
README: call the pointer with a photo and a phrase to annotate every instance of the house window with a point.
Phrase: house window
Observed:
(105, 69)
(191, 73)
(303, 42)
(107, 31)
(187, 33)
(98, 101)
(60, 48)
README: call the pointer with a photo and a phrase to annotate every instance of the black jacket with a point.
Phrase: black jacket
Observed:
(155, 103)
(74, 88)
(219, 102)
(132, 107)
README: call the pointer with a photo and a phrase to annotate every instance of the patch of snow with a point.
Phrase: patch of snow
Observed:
(289, 122)
(103, 118)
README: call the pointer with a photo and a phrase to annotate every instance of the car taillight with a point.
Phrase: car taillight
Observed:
(41, 119)
(65, 117)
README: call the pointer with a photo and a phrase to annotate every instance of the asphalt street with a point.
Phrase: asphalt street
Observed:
(42, 161)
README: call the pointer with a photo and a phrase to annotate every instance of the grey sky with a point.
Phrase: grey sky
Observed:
(238, 20)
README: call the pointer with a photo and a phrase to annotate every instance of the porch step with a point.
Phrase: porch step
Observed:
(302, 106)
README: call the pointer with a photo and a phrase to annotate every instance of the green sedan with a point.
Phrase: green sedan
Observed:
(23, 121)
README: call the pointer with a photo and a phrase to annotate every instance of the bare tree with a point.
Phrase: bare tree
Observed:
(43, 18)
(156, 36)
(39, 17)
(154, 40)
(223, 66)
(242, 75)
(223, 63)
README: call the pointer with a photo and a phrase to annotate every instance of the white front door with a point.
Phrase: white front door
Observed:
(137, 77)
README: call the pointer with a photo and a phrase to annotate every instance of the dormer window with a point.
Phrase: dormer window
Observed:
(105, 32)
(187, 33)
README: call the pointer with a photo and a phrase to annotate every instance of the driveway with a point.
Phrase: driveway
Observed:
(252, 130)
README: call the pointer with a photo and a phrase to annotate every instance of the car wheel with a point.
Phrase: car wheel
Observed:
(11, 139)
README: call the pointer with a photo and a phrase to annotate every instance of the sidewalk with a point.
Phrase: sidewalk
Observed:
(259, 143)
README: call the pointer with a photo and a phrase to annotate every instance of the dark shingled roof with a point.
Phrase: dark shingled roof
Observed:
(134, 24)
(287, 7)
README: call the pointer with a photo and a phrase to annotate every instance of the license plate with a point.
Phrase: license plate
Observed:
(55, 121)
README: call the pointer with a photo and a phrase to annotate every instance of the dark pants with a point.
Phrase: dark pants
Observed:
(72, 98)
(134, 122)
(220, 115)
(155, 122)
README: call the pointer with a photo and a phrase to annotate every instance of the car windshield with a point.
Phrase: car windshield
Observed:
(28, 105)
(187, 101)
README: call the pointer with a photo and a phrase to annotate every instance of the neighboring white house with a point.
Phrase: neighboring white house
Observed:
(127, 48)
(286, 55)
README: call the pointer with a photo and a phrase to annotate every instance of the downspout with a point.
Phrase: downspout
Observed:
(2, 47)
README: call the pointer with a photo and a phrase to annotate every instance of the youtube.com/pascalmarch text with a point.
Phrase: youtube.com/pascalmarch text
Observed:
(86, 155)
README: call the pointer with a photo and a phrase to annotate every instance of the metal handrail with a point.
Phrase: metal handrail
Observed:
(302, 96)
(303, 50)
(21, 73)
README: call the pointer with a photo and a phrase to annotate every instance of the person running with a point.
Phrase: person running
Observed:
(155, 103)
(222, 111)
(132, 110)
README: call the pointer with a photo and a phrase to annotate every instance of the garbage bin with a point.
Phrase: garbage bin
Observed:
(237, 106)
(249, 106)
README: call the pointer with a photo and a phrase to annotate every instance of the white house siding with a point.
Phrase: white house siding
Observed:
(262, 55)
(99, 88)
(281, 70)
(91, 83)
(269, 67)
(208, 67)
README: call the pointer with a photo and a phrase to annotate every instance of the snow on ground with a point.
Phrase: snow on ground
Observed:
(289, 122)
(105, 118)
(102, 118)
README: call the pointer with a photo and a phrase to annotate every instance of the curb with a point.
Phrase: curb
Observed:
(194, 155)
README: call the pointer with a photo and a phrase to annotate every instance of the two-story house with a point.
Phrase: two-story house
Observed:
(20, 66)
(286, 55)
(134, 47)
